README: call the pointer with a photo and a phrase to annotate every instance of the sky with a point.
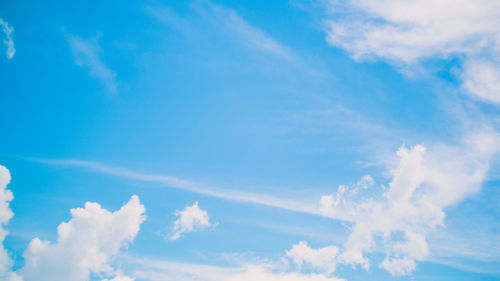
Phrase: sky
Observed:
(294, 140)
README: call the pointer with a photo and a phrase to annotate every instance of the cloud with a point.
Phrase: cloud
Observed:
(190, 219)
(407, 32)
(8, 41)
(228, 22)
(120, 278)
(85, 244)
(322, 258)
(232, 195)
(394, 220)
(251, 36)
(162, 270)
(6, 214)
(86, 55)
(424, 182)
(482, 78)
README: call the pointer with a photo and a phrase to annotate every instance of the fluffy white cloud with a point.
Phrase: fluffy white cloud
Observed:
(323, 258)
(191, 218)
(8, 41)
(86, 56)
(424, 182)
(411, 30)
(6, 214)
(85, 244)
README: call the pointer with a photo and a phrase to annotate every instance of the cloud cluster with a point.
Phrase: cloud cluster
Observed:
(86, 55)
(85, 244)
(414, 30)
(191, 218)
(424, 182)
(8, 41)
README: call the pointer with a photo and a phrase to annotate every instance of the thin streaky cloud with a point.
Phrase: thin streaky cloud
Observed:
(86, 55)
(248, 34)
(182, 184)
(228, 22)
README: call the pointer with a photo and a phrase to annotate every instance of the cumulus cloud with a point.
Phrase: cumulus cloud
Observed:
(85, 244)
(86, 55)
(6, 214)
(8, 41)
(425, 181)
(191, 218)
(410, 31)
(323, 258)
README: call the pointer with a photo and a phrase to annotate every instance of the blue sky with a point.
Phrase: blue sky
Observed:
(249, 140)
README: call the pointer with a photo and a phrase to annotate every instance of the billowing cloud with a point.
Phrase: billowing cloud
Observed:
(324, 259)
(6, 214)
(191, 218)
(86, 55)
(85, 244)
(411, 31)
(424, 182)
(8, 41)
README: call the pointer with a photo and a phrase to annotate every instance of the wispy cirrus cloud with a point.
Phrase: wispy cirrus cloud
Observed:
(8, 41)
(229, 22)
(164, 270)
(291, 204)
(86, 55)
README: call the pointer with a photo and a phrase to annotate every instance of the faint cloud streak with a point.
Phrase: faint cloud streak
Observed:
(86, 55)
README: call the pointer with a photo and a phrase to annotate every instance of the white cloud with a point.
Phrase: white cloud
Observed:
(6, 214)
(291, 204)
(120, 278)
(323, 258)
(414, 30)
(190, 219)
(8, 41)
(85, 244)
(424, 182)
(395, 220)
(482, 78)
(157, 270)
(250, 35)
(228, 22)
(86, 55)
